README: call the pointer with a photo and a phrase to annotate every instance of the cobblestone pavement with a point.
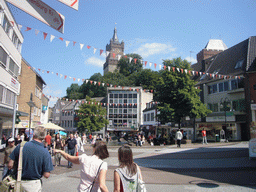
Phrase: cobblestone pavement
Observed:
(194, 167)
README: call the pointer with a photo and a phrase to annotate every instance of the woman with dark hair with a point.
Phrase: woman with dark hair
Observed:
(57, 144)
(93, 169)
(127, 175)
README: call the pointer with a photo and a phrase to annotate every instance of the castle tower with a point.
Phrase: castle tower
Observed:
(113, 47)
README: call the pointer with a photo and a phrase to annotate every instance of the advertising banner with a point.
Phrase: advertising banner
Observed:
(71, 3)
(42, 12)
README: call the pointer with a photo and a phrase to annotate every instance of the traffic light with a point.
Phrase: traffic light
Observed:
(17, 120)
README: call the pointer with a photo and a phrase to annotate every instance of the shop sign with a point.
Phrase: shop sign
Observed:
(42, 12)
(220, 118)
(252, 148)
(253, 107)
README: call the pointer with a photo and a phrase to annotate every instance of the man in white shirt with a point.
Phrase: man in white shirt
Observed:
(178, 137)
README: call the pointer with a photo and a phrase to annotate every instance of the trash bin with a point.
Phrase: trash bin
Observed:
(217, 138)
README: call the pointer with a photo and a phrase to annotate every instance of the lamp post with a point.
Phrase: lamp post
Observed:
(31, 104)
(224, 103)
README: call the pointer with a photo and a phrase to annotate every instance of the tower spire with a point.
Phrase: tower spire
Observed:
(115, 38)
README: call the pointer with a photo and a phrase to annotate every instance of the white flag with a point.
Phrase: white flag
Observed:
(78, 79)
(150, 64)
(67, 42)
(130, 59)
(52, 37)
(94, 50)
(118, 57)
(81, 46)
(61, 75)
(86, 81)
(19, 26)
(107, 53)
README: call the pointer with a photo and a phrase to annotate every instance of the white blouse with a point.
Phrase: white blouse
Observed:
(89, 169)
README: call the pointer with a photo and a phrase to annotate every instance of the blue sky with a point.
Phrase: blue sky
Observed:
(156, 30)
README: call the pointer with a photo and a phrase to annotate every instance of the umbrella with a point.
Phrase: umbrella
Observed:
(62, 133)
(52, 126)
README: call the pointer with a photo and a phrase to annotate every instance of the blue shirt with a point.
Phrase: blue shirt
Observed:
(36, 160)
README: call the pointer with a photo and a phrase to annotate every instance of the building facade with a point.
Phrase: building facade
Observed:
(228, 91)
(115, 50)
(125, 107)
(11, 41)
(31, 83)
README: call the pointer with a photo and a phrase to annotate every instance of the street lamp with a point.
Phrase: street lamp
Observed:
(31, 104)
(225, 103)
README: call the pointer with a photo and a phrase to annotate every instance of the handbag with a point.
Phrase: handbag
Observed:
(10, 184)
(140, 183)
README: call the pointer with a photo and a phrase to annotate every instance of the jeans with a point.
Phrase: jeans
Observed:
(178, 142)
(5, 172)
(71, 152)
(205, 139)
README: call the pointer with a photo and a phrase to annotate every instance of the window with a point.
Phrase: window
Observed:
(6, 25)
(110, 111)
(221, 87)
(213, 107)
(239, 64)
(15, 39)
(115, 111)
(110, 95)
(120, 101)
(134, 100)
(129, 111)
(129, 101)
(125, 95)
(120, 95)
(239, 105)
(1, 93)
(120, 111)
(226, 86)
(134, 111)
(134, 95)
(145, 117)
(148, 117)
(13, 67)
(130, 95)
(115, 95)
(3, 56)
(125, 110)
(234, 84)
(152, 116)
(9, 97)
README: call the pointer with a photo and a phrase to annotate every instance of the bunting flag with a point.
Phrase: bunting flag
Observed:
(45, 35)
(61, 38)
(88, 47)
(74, 43)
(67, 43)
(101, 51)
(28, 29)
(94, 50)
(145, 63)
(52, 37)
(135, 60)
(130, 59)
(81, 46)
(37, 31)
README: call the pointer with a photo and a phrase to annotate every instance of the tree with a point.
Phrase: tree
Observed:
(126, 67)
(178, 96)
(92, 90)
(73, 92)
(177, 62)
(145, 78)
(91, 116)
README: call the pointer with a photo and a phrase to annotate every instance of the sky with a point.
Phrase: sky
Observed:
(157, 30)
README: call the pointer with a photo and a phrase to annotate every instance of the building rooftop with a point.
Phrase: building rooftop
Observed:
(216, 44)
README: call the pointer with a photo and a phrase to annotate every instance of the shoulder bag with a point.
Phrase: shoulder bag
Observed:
(10, 184)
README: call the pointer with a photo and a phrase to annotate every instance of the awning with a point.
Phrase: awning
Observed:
(52, 126)
(24, 125)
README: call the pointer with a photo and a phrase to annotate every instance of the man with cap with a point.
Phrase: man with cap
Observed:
(7, 152)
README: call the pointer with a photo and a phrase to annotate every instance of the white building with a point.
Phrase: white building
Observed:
(11, 41)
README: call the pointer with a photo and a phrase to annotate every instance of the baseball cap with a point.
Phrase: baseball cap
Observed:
(11, 140)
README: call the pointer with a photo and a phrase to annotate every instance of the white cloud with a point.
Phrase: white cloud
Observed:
(154, 49)
(192, 60)
(95, 61)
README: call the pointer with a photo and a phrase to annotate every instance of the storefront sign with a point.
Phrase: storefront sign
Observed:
(42, 12)
(253, 107)
(220, 118)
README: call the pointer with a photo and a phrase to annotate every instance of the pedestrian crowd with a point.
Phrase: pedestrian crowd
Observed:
(37, 161)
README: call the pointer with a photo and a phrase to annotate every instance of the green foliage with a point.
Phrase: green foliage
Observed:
(177, 62)
(126, 67)
(88, 119)
(73, 92)
(177, 95)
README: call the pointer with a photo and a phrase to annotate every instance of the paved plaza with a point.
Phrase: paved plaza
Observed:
(193, 167)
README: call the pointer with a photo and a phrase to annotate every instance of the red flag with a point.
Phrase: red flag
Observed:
(57, 74)
(88, 46)
(181, 70)
(130, 88)
(99, 83)
(135, 60)
(91, 82)
(101, 51)
(114, 55)
(74, 79)
(65, 76)
(28, 28)
(145, 63)
(12, 23)
(39, 69)
(125, 56)
(45, 35)
(173, 68)
(83, 80)
(155, 65)
(74, 43)
(61, 38)
(115, 86)
(48, 71)
(164, 67)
